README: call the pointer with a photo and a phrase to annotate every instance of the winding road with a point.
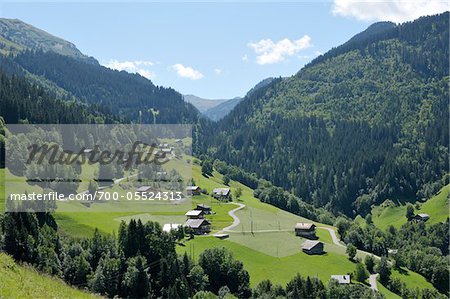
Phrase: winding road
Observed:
(334, 237)
(372, 277)
(236, 220)
(373, 281)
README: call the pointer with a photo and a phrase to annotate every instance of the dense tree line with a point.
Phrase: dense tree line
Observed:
(351, 130)
(129, 95)
(24, 102)
(284, 200)
(141, 262)
(425, 62)
(420, 247)
(21, 101)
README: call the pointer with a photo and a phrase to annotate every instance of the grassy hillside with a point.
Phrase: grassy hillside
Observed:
(280, 270)
(17, 36)
(25, 282)
(391, 214)
(272, 251)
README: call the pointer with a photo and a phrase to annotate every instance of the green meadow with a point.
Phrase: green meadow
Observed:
(264, 240)
(278, 269)
(389, 213)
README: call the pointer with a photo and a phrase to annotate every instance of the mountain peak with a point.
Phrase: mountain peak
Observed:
(16, 35)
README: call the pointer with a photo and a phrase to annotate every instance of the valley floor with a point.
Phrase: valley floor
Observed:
(260, 235)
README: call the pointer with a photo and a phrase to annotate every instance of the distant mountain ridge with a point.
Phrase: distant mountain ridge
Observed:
(218, 112)
(58, 66)
(202, 104)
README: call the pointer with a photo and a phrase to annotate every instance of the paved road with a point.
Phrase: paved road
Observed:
(372, 277)
(373, 281)
(333, 236)
(236, 220)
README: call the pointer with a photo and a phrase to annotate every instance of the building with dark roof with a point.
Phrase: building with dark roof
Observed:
(312, 247)
(198, 226)
(305, 230)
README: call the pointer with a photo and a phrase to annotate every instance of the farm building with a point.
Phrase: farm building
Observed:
(144, 189)
(221, 193)
(170, 226)
(202, 207)
(312, 247)
(342, 279)
(422, 217)
(199, 226)
(194, 214)
(305, 230)
(167, 150)
(193, 190)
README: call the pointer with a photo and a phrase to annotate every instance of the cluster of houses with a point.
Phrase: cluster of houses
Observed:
(218, 193)
(196, 219)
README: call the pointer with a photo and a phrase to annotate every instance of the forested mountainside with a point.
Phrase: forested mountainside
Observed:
(125, 94)
(364, 122)
(60, 68)
(23, 102)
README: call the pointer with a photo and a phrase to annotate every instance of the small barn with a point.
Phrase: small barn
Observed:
(422, 217)
(194, 214)
(312, 247)
(198, 226)
(144, 189)
(205, 208)
(341, 279)
(193, 190)
(305, 230)
(221, 193)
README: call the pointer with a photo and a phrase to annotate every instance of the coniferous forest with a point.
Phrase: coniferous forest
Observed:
(364, 123)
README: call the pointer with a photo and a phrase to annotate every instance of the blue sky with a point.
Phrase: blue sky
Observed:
(212, 50)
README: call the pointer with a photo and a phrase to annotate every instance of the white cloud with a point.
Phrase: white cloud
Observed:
(269, 52)
(244, 58)
(218, 71)
(135, 66)
(187, 72)
(388, 10)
